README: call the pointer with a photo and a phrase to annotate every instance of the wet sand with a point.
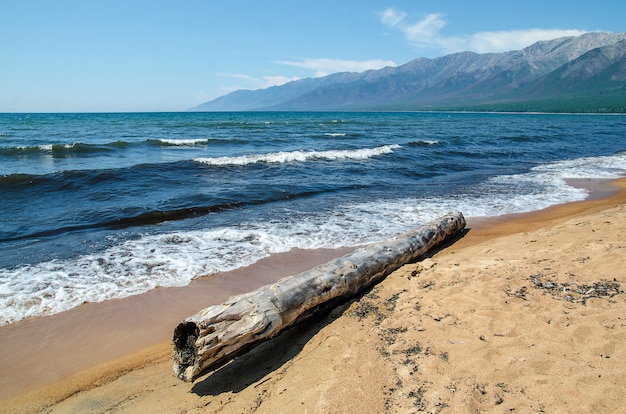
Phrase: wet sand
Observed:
(474, 303)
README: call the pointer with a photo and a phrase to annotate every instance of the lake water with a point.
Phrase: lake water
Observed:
(101, 206)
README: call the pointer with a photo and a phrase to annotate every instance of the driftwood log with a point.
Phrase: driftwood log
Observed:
(219, 333)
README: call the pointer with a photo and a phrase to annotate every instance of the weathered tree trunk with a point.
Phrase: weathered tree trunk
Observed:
(219, 333)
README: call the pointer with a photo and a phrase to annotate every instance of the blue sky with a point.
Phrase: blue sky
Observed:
(137, 55)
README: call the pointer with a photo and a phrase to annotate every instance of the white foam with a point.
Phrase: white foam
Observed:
(137, 266)
(184, 142)
(300, 156)
(606, 167)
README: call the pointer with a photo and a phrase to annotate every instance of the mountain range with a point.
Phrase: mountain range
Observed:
(584, 73)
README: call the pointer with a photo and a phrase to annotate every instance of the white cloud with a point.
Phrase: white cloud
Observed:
(323, 67)
(392, 17)
(268, 81)
(239, 76)
(426, 30)
(263, 82)
(426, 34)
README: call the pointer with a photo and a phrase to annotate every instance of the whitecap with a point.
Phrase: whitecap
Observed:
(184, 142)
(300, 156)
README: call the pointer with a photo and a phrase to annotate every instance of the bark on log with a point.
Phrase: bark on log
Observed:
(220, 333)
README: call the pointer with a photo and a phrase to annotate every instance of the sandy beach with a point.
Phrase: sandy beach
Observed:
(523, 314)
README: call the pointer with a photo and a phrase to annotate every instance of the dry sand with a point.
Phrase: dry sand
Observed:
(524, 314)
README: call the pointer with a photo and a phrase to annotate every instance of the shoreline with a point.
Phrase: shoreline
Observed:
(602, 194)
(96, 333)
(64, 352)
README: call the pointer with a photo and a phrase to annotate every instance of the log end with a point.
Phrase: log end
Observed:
(185, 351)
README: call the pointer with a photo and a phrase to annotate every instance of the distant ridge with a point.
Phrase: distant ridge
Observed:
(585, 73)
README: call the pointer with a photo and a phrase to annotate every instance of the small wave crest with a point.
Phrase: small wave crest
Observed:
(189, 142)
(300, 156)
(59, 150)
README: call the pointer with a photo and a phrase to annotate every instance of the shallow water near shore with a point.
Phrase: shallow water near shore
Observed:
(96, 207)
